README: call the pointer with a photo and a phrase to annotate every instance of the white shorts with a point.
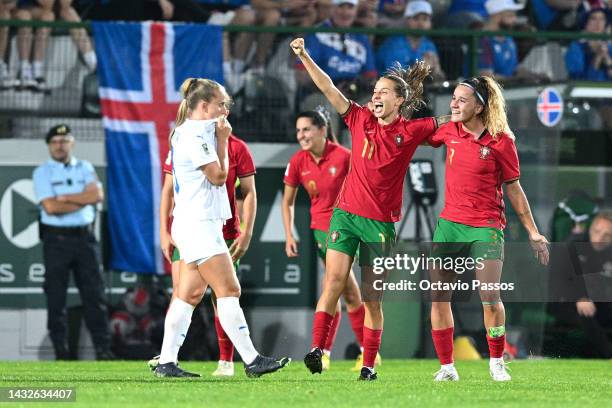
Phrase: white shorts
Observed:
(198, 239)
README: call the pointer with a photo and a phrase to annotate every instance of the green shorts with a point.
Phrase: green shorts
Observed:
(349, 233)
(320, 238)
(463, 240)
(176, 255)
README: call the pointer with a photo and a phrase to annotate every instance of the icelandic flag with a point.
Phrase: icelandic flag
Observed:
(550, 107)
(140, 69)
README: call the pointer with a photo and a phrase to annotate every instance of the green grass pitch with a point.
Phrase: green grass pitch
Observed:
(402, 383)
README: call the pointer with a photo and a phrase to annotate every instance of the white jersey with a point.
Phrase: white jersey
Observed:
(195, 198)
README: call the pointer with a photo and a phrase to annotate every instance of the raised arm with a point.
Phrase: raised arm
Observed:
(320, 78)
(519, 202)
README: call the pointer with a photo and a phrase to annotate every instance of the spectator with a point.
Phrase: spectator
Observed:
(68, 189)
(271, 13)
(346, 58)
(498, 55)
(555, 14)
(6, 9)
(79, 35)
(31, 73)
(407, 49)
(466, 13)
(591, 60)
(391, 13)
(367, 14)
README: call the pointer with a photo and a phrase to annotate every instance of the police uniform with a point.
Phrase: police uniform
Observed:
(70, 245)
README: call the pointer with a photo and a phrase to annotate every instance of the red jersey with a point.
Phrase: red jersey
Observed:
(240, 165)
(321, 180)
(475, 172)
(379, 161)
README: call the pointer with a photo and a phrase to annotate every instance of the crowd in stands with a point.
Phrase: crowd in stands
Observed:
(350, 59)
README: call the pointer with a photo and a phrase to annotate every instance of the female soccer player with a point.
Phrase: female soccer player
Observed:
(320, 167)
(200, 169)
(370, 201)
(481, 157)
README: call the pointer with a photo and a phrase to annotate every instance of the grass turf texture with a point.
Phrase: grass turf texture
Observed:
(542, 383)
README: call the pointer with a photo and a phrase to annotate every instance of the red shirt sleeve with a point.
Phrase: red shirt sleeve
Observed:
(438, 138)
(507, 157)
(244, 159)
(421, 129)
(356, 115)
(167, 165)
(292, 173)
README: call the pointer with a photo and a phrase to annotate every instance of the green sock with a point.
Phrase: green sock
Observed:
(497, 331)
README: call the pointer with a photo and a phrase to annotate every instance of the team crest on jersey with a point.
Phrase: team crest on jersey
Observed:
(333, 170)
(334, 236)
(205, 147)
(484, 152)
(399, 139)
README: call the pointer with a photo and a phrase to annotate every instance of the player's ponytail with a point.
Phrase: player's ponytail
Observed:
(488, 93)
(409, 85)
(494, 116)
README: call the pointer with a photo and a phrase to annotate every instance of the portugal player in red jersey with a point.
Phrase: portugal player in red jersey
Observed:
(481, 157)
(370, 201)
(320, 167)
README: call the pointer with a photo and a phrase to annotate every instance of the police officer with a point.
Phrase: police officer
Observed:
(68, 189)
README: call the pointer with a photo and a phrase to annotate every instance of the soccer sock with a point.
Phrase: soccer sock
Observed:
(356, 317)
(90, 59)
(235, 325)
(443, 343)
(176, 325)
(496, 338)
(371, 345)
(25, 69)
(226, 348)
(333, 331)
(320, 329)
(37, 68)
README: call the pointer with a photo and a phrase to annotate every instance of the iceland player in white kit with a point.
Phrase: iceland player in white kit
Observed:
(199, 156)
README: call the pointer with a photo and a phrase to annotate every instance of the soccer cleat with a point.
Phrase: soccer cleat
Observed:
(359, 362)
(153, 363)
(498, 371)
(224, 369)
(447, 374)
(367, 374)
(314, 360)
(172, 370)
(325, 361)
(264, 365)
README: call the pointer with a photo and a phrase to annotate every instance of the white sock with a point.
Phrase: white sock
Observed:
(327, 352)
(90, 60)
(448, 366)
(235, 325)
(37, 67)
(25, 69)
(176, 325)
(492, 361)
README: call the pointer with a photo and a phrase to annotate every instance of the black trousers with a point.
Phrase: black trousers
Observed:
(80, 254)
